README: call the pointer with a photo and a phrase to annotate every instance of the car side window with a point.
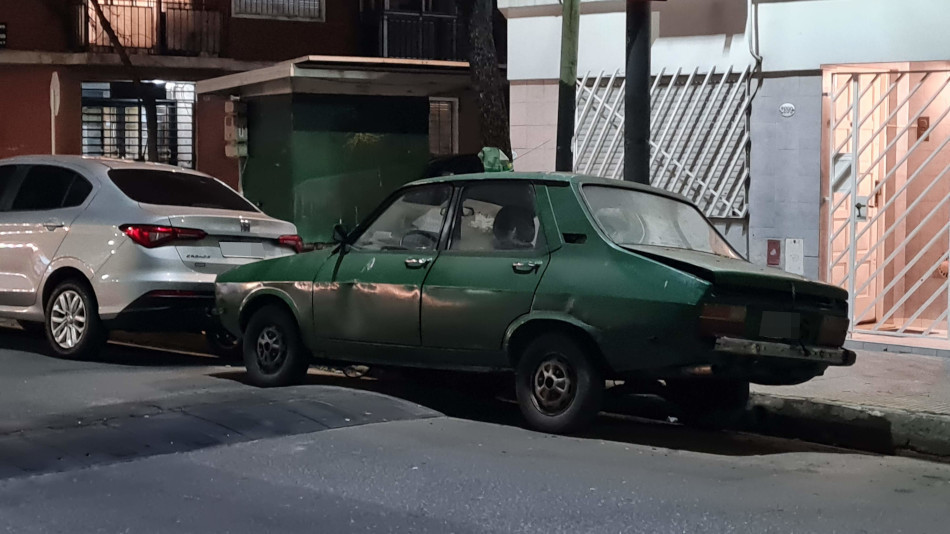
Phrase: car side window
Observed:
(497, 217)
(412, 222)
(79, 189)
(7, 174)
(45, 188)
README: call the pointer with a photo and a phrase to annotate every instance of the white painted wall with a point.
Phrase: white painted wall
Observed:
(794, 35)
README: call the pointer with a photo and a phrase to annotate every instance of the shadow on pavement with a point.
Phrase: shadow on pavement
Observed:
(635, 420)
(114, 353)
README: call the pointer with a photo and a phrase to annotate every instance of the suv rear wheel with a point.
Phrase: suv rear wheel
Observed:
(73, 327)
(559, 388)
(273, 352)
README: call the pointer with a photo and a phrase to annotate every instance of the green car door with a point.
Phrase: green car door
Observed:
(487, 274)
(371, 292)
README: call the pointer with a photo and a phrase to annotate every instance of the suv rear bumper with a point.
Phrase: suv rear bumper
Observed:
(746, 347)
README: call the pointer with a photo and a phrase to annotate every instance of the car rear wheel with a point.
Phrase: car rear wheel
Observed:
(559, 388)
(73, 327)
(273, 352)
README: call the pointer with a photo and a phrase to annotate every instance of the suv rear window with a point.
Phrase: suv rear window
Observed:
(167, 188)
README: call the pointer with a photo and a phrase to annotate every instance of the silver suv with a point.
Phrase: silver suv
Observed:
(89, 245)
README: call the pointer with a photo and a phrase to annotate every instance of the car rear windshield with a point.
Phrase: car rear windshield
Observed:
(631, 218)
(169, 188)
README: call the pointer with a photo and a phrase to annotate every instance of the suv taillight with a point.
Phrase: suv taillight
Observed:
(293, 241)
(151, 236)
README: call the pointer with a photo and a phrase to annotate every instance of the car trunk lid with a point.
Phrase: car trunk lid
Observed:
(233, 237)
(739, 275)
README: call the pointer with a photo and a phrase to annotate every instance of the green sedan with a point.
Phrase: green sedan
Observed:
(566, 280)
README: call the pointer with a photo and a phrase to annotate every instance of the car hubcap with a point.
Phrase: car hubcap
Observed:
(271, 349)
(553, 386)
(68, 319)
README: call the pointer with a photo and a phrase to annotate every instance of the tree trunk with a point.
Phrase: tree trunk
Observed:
(486, 75)
(148, 101)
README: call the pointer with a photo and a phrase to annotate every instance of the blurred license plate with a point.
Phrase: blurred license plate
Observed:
(242, 250)
(780, 325)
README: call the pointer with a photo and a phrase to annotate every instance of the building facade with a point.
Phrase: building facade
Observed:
(814, 134)
(65, 90)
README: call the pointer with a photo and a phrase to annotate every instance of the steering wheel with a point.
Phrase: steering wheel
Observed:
(419, 239)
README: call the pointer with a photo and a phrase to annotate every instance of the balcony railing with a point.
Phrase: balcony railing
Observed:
(166, 27)
(418, 36)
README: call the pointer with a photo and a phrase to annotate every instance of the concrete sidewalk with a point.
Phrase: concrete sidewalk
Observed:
(897, 401)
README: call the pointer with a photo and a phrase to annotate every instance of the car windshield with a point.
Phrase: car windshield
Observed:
(169, 188)
(632, 218)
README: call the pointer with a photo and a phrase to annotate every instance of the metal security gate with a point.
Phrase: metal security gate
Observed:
(699, 136)
(114, 123)
(887, 199)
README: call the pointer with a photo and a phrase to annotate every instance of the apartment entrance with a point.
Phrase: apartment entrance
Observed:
(886, 201)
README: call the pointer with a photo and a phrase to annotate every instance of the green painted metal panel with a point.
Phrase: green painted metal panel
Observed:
(350, 152)
(267, 178)
(318, 160)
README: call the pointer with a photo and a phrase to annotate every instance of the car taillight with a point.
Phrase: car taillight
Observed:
(833, 331)
(293, 241)
(151, 236)
(722, 320)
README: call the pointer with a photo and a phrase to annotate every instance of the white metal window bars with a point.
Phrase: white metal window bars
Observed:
(874, 155)
(699, 134)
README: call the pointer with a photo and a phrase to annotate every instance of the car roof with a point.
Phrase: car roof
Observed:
(92, 163)
(551, 178)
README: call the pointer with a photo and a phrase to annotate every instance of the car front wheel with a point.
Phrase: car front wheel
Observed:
(73, 327)
(559, 388)
(273, 353)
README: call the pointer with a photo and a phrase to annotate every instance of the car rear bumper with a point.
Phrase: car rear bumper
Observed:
(167, 311)
(771, 349)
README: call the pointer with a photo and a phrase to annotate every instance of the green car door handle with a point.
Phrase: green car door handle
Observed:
(417, 263)
(525, 267)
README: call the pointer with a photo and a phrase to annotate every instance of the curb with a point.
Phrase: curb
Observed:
(874, 429)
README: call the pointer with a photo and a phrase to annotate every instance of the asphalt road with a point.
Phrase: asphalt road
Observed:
(151, 441)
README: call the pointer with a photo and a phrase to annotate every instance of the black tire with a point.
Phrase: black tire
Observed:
(283, 360)
(33, 328)
(224, 344)
(709, 403)
(548, 359)
(93, 335)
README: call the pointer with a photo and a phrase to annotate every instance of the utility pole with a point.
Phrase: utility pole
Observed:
(636, 143)
(567, 86)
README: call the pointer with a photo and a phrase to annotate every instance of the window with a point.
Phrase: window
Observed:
(412, 222)
(443, 126)
(312, 10)
(7, 173)
(45, 188)
(167, 188)
(632, 218)
(497, 217)
(77, 193)
(114, 123)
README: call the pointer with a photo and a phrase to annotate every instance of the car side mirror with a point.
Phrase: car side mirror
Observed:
(340, 234)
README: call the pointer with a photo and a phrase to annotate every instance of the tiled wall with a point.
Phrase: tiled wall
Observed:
(534, 124)
(785, 184)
